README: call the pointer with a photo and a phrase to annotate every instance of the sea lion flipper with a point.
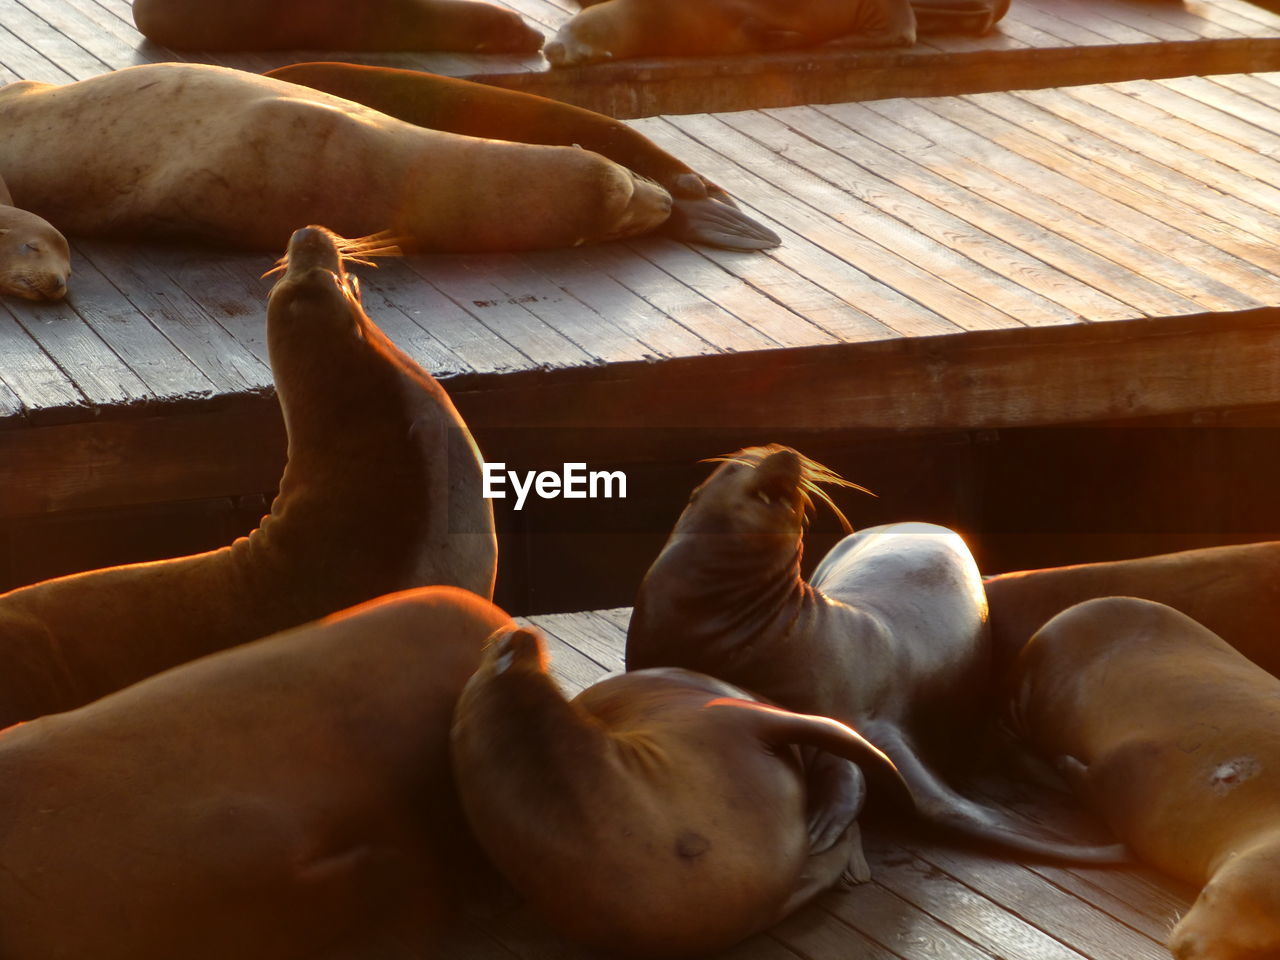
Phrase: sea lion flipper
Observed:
(940, 804)
(717, 224)
(835, 792)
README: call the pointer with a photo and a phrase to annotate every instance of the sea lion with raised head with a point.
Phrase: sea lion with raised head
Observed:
(203, 152)
(626, 29)
(381, 492)
(469, 26)
(888, 636)
(1233, 590)
(701, 211)
(35, 260)
(260, 803)
(1174, 738)
(659, 813)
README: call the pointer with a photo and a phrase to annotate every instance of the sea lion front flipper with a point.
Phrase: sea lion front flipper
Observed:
(704, 213)
(940, 804)
(835, 792)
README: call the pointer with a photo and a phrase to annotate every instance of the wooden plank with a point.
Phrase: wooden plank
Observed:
(102, 44)
(457, 277)
(693, 309)
(971, 912)
(1071, 275)
(1017, 299)
(167, 372)
(45, 391)
(101, 376)
(1088, 218)
(1230, 223)
(915, 266)
(812, 244)
(1143, 214)
(1057, 234)
(1216, 153)
(28, 63)
(769, 298)
(898, 925)
(582, 274)
(70, 56)
(480, 348)
(229, 366)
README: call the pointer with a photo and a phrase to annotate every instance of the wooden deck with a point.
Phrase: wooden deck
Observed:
(928, 899)
(994, 260)
(1040, 43)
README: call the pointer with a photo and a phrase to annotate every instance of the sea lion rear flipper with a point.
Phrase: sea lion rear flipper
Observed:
(940, 804)
(716, 224)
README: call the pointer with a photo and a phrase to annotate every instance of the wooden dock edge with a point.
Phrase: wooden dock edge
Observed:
(642, 88)
(974, 381)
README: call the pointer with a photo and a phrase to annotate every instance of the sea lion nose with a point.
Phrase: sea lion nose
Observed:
(554, 52)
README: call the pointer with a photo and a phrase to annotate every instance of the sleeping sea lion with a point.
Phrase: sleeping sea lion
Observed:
(657, 814)
(1234, 591)
(203, 152)
(260, 803)
(888, 636)
(465, 25)
(35, 260)
(381, 492)
(625, 29)
(701, 211)
(1174, 738)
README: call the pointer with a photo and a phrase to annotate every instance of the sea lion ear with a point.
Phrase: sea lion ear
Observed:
(777, 475)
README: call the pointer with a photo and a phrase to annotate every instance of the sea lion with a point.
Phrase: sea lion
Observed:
(203, 152)
(261, 802)
(466, 25)
(1232, 590)
(625, 29)
(1174, 738)
(35, 260)
(381, 492)
(888, 636)
(701, 211)
(659, 813)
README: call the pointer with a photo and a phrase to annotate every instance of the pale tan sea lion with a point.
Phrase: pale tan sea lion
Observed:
(701, 212)
(889, 635)
(465, 25)
(625, 29)
(1174, 738)
(204, 152)
(381, 493)
(35, 260)
(261, 803)
(659, 813)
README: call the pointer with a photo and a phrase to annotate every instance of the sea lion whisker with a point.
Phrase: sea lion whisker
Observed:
(812, 474)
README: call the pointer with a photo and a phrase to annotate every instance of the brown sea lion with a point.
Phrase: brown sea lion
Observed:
(1174, 738)
(625, 29)
(465, 25)
(888, 636)
(1232, 590)
(657, 814)
(701, 211)
(262, 802)
(35, 260)
(381, 493)
(198, 151)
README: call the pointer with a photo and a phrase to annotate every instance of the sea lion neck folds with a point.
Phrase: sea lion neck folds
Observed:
(381, 492)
